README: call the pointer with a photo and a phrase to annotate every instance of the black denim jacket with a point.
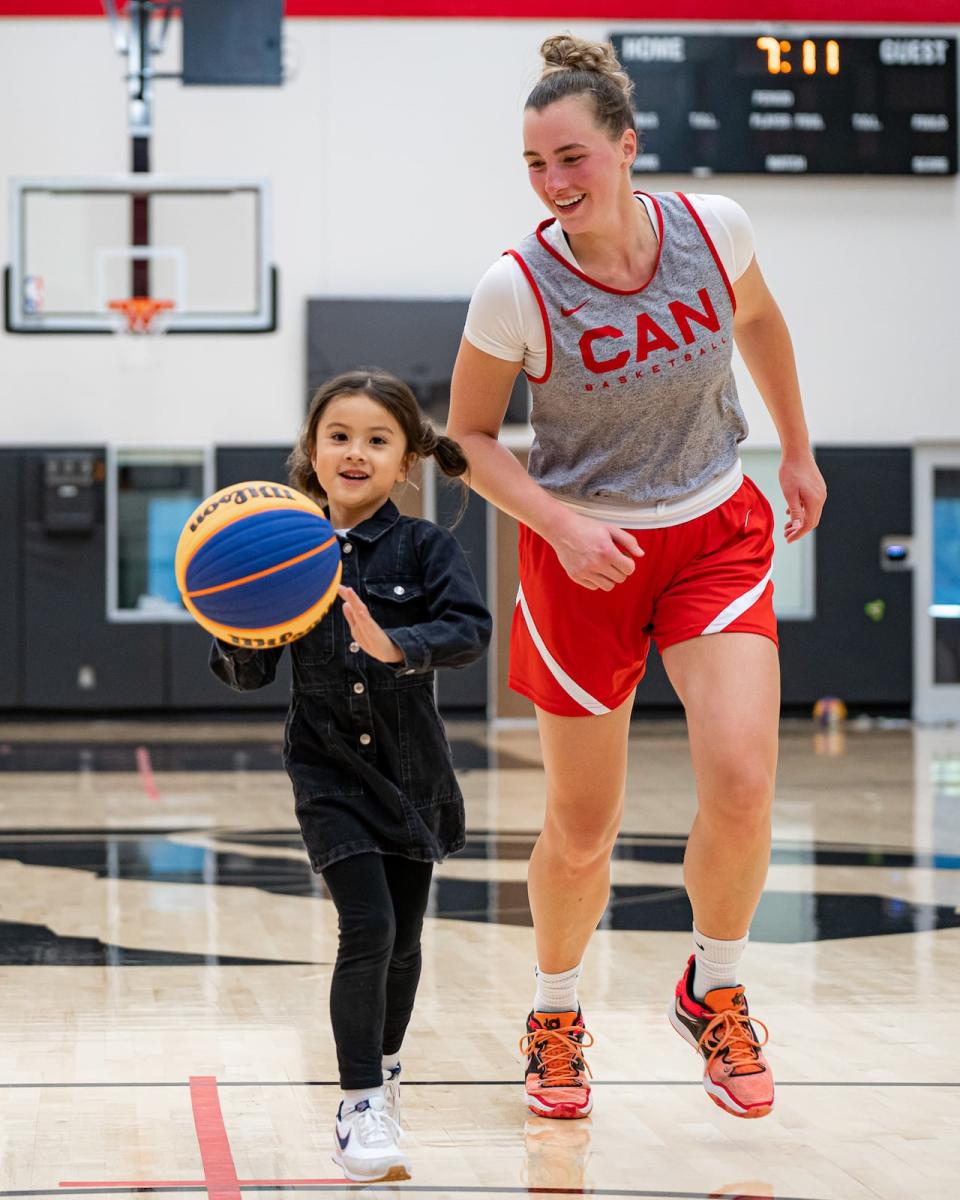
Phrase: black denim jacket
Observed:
(364, 744)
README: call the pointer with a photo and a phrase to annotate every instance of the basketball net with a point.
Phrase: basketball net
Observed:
(140, 314)
(139, 320)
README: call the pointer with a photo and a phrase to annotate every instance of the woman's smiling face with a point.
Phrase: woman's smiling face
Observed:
(574, 166)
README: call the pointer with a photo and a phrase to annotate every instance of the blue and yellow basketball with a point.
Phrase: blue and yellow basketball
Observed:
(258, 564)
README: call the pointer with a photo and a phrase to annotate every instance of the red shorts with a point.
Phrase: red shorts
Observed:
(574, 651)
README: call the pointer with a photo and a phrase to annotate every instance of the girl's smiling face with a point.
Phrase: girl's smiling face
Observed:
(574, 166)
(359, 454)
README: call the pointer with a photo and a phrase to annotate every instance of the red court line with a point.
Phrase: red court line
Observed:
(220, 1174)
(146, 773)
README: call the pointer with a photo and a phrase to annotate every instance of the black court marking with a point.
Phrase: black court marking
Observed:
(255, 756)
(667, 848)
(783, 917)
(26, 945)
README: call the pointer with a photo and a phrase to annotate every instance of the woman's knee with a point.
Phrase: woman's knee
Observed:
(583, 836)
(739, 793)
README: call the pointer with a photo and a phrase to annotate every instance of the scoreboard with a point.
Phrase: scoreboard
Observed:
(793, 103)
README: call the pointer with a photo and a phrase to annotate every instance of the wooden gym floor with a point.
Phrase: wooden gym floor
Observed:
(165, 956)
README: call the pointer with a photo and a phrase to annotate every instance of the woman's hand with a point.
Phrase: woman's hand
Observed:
(805, 494)
(366, 632)
(596, 556)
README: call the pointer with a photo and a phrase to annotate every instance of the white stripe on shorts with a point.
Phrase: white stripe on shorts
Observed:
(737, 607)
(573, 689)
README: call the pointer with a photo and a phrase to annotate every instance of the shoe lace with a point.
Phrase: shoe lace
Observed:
(375, 1128)
(559, 1052)
(732, 1031)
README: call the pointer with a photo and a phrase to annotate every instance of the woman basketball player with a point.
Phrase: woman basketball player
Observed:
(636, 523)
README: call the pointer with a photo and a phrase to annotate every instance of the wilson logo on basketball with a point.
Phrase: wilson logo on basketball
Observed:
(649, 336)
(241, 495)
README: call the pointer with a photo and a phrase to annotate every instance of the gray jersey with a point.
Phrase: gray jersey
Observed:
(638, 402)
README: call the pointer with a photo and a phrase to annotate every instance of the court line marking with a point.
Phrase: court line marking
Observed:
(200, 1184)
(433, 1190)
(145, 771)
(454, 1083)
(219, 1170)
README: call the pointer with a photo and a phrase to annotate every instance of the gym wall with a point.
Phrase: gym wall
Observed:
(394, 155)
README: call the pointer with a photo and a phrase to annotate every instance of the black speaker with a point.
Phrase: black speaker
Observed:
(232, 42)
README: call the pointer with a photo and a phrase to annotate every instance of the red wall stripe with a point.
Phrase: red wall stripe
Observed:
(924, 12)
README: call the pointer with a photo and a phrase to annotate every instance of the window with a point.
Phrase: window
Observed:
(794, 596)
(150, 495)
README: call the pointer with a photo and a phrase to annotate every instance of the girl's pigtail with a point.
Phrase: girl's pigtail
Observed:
(450, 457)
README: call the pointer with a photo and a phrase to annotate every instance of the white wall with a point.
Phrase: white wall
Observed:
(395, 160)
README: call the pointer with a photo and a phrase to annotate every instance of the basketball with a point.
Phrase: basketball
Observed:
(258, 564)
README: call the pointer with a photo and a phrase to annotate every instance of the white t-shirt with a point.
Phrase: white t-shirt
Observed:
(504, 319)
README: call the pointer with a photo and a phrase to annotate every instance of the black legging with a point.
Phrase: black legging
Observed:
(380, 899)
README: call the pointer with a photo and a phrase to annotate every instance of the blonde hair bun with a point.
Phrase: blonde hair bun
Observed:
(565, 52)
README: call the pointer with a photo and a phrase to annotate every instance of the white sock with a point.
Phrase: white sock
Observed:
(717, 963)
(557, 993)
(389, 1062)
(352, 1098)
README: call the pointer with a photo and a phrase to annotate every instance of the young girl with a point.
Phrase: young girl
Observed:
(376, 795)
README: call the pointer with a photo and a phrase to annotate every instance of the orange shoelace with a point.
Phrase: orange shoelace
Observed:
(731, 1031)
(557, 1049)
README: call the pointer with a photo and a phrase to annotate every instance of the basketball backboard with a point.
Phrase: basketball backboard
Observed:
(77, 246)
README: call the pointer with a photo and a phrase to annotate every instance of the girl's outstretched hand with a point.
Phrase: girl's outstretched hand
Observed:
(366, 632)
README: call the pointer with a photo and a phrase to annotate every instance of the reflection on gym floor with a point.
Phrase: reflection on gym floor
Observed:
(165, 953)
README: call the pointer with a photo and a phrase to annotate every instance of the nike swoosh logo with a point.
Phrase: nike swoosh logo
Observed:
(568, 312)
(344, 1142)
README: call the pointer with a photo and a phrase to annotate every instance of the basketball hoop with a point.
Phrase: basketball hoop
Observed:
(140, 314)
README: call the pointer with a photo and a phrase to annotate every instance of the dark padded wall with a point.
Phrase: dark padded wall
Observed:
(466, 688)
(415, 339)
(844, 652)
(64, 628)
(11, 579)
(54, 607)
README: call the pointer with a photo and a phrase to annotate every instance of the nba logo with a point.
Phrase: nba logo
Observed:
(33, 294)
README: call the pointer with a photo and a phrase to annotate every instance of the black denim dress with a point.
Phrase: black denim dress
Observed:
(364, 744)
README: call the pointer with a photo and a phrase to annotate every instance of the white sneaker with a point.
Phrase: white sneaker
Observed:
(391, 1093)
(365, 1143)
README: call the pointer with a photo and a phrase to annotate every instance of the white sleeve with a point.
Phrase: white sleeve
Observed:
(731, 231)
(495, 322)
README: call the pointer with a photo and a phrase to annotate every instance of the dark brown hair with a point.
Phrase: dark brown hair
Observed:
(573, 66)
(399, 401)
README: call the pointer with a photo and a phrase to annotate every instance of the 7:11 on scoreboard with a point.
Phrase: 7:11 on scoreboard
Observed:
(778, 62)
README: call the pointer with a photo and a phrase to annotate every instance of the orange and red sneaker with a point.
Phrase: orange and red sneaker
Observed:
(556, 1076)
(736, 1076)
